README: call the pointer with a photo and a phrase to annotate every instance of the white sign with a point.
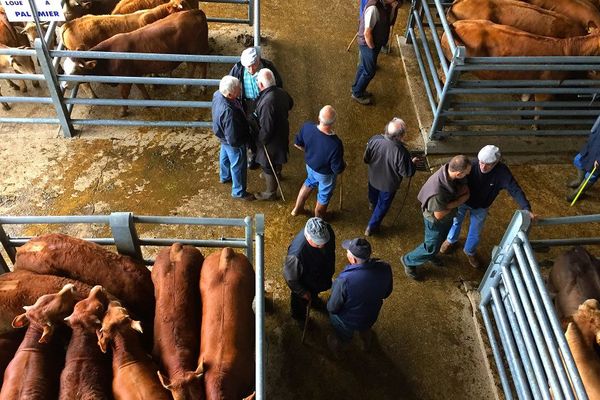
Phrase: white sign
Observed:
(19, 10)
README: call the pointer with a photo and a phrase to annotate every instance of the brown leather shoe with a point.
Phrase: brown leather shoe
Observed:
(474, 260)
(447, 247)
(246, 197)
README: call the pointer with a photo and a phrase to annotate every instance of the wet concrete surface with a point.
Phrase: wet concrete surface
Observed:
(425, 344)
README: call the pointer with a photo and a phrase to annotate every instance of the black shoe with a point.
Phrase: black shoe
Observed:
(411, 272)
(246, 197)
(365, 101)
(371, 231)
(252, 164)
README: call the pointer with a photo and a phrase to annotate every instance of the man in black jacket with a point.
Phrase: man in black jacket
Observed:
(272, 143)
(389, 162)
(585, 161)
(231, 127)
(246, 70)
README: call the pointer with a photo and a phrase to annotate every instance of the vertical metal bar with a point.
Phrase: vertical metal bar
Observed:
(248, 237)
(10, 250)
(436, 40)
(125, 235)
(256, 22)
(52, 81)
(251, 12)
(496, 351)
(429, 58)
(511, 353)
(458, 59)
(260, 307)
(447, 31)
(550, 324)
(410, 23)
(422, 70)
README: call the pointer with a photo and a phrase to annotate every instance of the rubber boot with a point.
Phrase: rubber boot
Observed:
(321, 210)
(577, 181)
(571, 196)
(301, 200)
(270, 192)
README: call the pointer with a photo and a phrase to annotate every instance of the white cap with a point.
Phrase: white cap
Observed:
(249, 56)
(489, 154)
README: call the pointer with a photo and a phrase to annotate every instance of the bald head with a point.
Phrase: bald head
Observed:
(327, 116)
(265, 78)
(395, 129)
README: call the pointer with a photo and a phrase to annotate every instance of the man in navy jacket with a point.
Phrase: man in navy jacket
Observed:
(357, 293)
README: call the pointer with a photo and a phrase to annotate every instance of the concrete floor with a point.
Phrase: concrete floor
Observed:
(426, 345)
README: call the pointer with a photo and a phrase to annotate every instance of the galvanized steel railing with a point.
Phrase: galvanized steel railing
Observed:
(63, 103)
(127, 241)
(527, 341)
(484, 107)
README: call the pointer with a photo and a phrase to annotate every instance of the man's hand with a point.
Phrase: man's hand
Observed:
(415, 160)
(595, 163)
(306, 296)
(532, 216)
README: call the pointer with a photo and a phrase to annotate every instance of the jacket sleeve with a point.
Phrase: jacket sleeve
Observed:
(338, 295)
(266, 121)
(407, 168)
(338, 165)
(299, 140)
(515, 191)
(236, 128)
(368, 153)
(292, 271)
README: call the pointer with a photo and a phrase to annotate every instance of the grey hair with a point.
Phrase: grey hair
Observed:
(228, 85)
(395, 129)
(266, 77)
(327, 121)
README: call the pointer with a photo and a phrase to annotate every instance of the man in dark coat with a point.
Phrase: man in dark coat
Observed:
(357, 294)
(440, 196)
(246, 70)
(585, 161)
(271, 116)
(309, 265)
(231, 127)
(389, 162)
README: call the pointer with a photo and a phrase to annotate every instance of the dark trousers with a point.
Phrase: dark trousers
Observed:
(435, 234)
(298, 305)
(366, 69)
(382, 201)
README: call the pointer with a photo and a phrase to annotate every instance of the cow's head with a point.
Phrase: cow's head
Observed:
(76, 66)
(115, 321)
(76, 8)
(587, 319)
(187, 386)
(88, 313)
(47, 311)
(30, 31)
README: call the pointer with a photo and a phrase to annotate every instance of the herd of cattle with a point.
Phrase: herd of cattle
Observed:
(85, 305)
(134, 26)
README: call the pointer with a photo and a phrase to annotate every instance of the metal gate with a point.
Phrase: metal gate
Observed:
(528, 344)
(127, 241)
(467, 107)
(63, 104)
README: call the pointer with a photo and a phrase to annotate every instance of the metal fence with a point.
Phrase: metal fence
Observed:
(127, 241)
(467, 107)
(63, 104)
(527, 341)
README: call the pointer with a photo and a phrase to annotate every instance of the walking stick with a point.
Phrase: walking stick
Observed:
(274, 172)
(403, 201)
(583, 185)
(341, 190)
(352, 41)
(306, 319)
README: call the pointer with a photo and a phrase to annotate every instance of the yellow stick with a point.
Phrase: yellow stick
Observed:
(583, 186)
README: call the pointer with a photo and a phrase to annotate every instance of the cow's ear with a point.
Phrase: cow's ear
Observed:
(90, 64)
(136, 326)
(20, 321)
(164, 381)
(592, 27)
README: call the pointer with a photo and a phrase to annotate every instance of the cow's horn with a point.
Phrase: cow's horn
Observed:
(200, 370)
(164, 381)
(48, 329)
(68, 319)
(136, 326)
(67, 287)
(27, 308)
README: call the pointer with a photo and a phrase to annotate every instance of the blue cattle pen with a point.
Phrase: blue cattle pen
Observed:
(63, 103)
(531, 354)
(462, 106)
(127, 241)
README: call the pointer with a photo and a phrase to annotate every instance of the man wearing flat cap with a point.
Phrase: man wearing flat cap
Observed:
(489, 175)
(246, 70)
(309, 265)
(357, 294)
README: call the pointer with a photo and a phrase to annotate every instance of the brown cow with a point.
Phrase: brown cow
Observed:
(574, 278)
(33, 372)
(518, 14)
(87, 371)
(63, 255)
(583, 335)
(131, 6)
(226, 350)
(184, 32)
(583, 12)
(134, 373)
(24, 287)
(175, 275)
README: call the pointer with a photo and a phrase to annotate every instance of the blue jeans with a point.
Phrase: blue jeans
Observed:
(366, 69)
(233, 167)
(435, 234)
(577, 163)
(344, 333)
(478, 216)
(325, 184)
(382, 202)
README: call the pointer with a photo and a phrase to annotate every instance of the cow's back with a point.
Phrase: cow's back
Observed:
(582, 11)
(226, 344)
(138, 381)
(62, 255)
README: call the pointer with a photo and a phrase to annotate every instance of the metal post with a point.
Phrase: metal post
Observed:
(410, 23)
(256, 22)
(260, 308)
(451, 78)
(125, 235)
(496, 351)
(248, 237)
(10, 251)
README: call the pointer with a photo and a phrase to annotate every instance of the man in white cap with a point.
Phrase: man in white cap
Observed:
(489, 175)
(309, 265)
(246, 70)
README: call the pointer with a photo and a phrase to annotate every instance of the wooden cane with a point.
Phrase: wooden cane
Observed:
(352, 41)
(341, 191)
(275, 173)
(306, 319)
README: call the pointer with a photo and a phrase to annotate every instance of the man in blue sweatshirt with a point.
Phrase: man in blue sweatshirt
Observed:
(357, 293)
(488, 177)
